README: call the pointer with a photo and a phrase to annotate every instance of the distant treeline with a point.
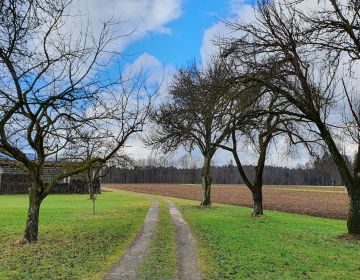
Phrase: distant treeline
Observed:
(319, 171)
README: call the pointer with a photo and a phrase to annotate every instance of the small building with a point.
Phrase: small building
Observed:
(13, 180)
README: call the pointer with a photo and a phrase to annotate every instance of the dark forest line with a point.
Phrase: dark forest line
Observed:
(319, 171)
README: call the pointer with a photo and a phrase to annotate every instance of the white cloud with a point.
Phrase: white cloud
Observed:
(241, 11)
(208, 48)
(158, 73)
(149, 64)
(139, 17)
(135, 149)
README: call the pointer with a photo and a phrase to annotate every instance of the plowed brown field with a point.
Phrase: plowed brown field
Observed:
(326, 202)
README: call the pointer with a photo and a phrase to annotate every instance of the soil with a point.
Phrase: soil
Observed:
(318, 202)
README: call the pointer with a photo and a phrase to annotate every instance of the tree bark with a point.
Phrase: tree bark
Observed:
(93, 194)
(93, 200)
(206, 182)
(91, 188)
(256, 186)
(352, 184)
(257, 197)
(353, 222)
(32, 223)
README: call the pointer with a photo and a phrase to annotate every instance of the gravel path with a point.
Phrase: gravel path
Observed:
(185, 244)
(129, 265)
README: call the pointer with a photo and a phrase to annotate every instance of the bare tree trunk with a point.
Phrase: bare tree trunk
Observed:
(258, 182)
(32, 223)
(93, 199)
(257, 197)
(206, 182)
(353, 222)
(91, 190)
(94, 194)
(256, 187)
(352, 184)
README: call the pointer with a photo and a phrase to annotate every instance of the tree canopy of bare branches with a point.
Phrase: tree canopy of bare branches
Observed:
(55, 83)
(300, 58)
(198, 114)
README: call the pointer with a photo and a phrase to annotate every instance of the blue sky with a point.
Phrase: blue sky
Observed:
(167, 33)
(187, 31)
(186, 36)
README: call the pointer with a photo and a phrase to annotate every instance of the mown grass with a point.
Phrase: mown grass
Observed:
(233, 245)
(160, 263)
(72, 242)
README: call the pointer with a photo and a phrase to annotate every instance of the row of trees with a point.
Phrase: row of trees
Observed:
(319, 171)
(57, 97)
(270, 82)
(288, 75)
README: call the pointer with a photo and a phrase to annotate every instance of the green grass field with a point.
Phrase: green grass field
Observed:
(160, 263)
(233, 245)
(72, 243)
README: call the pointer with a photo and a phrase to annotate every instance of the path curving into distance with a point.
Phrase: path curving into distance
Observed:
(128, 267)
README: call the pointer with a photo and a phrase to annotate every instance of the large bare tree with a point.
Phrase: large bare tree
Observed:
(257, 126)
(53, 81)
(198, 114)
(280, 50)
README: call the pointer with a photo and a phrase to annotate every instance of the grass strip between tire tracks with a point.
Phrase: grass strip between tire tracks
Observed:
(160, 263)
(73, 243)
(234, 245)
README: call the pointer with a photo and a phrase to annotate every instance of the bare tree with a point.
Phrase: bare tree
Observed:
(53, 79)
(280, 51)
(259, 128)
(91, 143)
(334, 26)
(196, 115)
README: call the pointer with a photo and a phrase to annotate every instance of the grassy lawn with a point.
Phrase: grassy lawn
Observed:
(73, 243)
(160, 263)
(232, 245)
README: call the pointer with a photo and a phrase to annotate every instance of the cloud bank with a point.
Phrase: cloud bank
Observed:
(138, 18)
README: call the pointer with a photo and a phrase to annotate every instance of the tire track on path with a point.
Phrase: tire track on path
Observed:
(129, 265)
(188, 268)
